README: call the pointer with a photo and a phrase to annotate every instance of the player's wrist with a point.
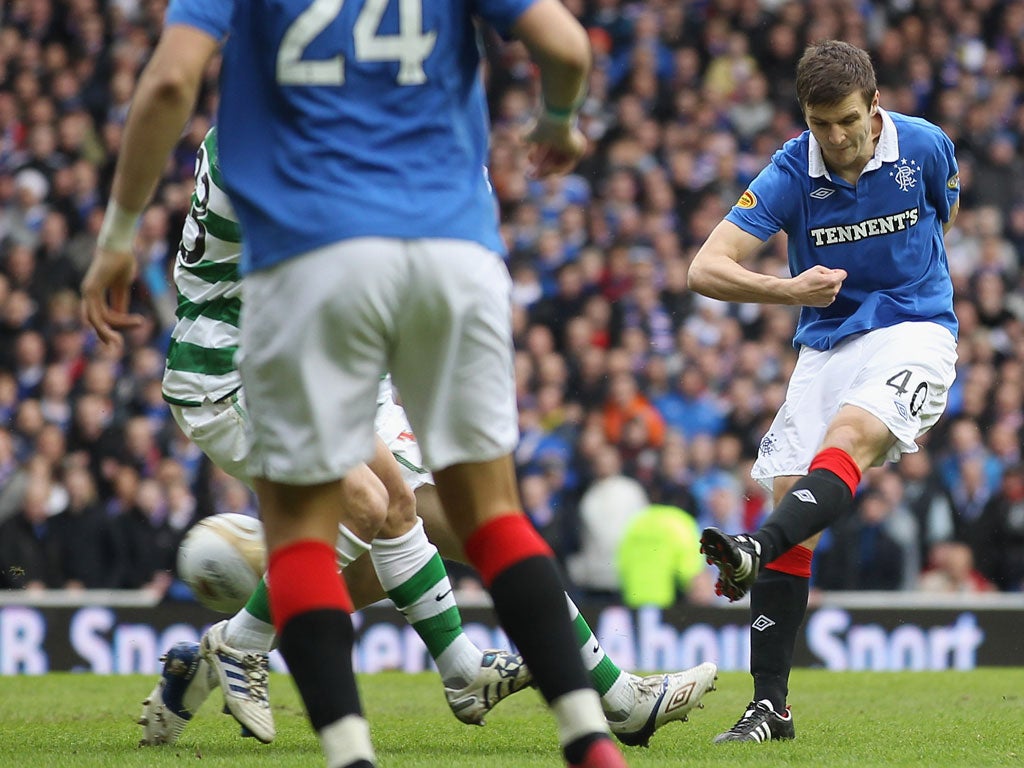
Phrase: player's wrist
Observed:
(118, 229)
(566, 116)
(559, 116)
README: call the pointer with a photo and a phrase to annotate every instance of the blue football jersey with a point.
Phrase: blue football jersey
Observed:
(354, 118)
(885, 231)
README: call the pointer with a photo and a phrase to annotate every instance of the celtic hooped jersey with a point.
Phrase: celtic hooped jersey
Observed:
(200, 360)
(885, 230)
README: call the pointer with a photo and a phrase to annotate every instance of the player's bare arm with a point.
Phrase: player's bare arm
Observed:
(716, 272)
(953, 211)
(559, 45)
(162, 104)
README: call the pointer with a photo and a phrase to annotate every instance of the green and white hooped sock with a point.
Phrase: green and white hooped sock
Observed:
(413, 575)
(610, 682)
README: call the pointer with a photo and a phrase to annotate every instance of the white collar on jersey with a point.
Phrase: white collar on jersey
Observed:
(886, 151)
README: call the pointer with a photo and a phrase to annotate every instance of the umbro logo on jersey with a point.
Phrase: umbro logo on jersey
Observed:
(761, 623)
(805, 496)
(822, 192)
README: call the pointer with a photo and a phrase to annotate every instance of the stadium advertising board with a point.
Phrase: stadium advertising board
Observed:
(103, 639)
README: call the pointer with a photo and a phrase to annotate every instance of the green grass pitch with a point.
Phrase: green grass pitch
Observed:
(842, 719)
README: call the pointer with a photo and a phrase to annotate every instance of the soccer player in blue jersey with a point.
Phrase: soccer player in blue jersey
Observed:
(356, 167)
(865, 197)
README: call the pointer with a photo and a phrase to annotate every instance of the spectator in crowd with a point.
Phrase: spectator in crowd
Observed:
(659, 558)
(996, 536)
(951, 571)
(149, 542)
(30, 552)
(606, 508)
(90, 549)
(862, 553)
(624, 404)
(927, 500)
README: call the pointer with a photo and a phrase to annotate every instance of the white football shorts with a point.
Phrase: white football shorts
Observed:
(392, 426)
(901, 374)
(219, 430)
(320, 329)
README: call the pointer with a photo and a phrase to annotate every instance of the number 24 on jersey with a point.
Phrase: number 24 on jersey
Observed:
(410, 47)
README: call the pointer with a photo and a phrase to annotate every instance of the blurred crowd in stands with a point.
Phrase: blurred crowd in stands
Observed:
(633, 391)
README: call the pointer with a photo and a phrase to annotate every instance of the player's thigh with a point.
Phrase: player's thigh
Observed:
(453, 360)
(812, 399)
(219, 430)
(904, 380)
(315, 333)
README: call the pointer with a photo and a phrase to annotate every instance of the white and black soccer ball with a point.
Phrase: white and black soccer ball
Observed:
(222, 558)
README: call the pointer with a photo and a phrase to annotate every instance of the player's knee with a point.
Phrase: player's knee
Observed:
(365, 505)
(861, 435)
(401, 513)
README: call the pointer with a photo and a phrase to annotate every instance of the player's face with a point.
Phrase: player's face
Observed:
(846, 131)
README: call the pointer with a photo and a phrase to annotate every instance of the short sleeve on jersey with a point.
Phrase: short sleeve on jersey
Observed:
(758, 211)
(944, 176)
(502, 14)
(210, 16)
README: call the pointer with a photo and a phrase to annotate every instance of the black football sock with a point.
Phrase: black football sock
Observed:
(529, 598)
(518, 570)
(537, 621)
(813, 503)
(318, 648)
(778, 604)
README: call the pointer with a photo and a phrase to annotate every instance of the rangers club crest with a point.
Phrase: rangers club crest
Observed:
(904, 173)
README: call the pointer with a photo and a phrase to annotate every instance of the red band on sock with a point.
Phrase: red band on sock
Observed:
(303, 576)
(502, 542)
(840, 463)
(795, 562)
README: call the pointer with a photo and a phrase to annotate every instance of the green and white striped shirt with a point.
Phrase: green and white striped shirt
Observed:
(201, 357)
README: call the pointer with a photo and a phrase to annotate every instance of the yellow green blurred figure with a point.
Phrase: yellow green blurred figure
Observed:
(659, 556)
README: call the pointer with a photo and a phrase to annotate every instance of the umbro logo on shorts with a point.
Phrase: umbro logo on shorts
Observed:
(822, 192)
(761, 623)
(805, 496)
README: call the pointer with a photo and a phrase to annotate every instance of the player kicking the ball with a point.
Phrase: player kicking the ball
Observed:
(207, 401)
(865, 197)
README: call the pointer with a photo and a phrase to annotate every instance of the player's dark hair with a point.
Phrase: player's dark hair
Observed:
(830, 71)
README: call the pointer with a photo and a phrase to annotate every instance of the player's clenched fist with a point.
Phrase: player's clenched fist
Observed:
(554, 147)
(817, 286)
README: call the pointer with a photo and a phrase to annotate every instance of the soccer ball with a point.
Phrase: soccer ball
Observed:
(222, 559)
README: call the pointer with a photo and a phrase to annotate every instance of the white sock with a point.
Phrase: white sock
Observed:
(459, 663)
(245, 632)
(345, 741)
(578, 713)
(618, 700)
(349, 547)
